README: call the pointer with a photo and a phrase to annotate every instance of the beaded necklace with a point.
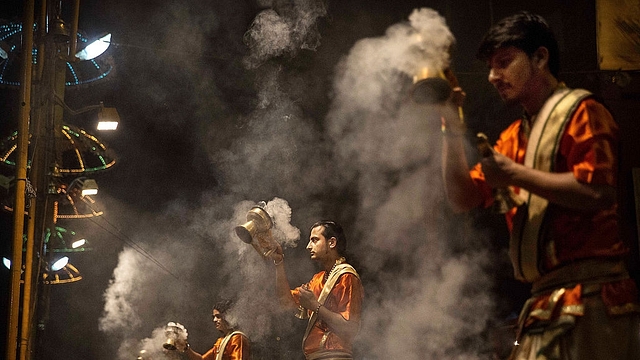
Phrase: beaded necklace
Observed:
(338, 262)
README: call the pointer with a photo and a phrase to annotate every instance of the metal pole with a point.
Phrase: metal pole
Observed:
(45, 167)
(28, 305)
(74, 30)
(21, 177)
(26, 324)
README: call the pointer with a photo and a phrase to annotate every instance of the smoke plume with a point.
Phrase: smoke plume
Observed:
(423, 268)
(285, 28)
(427, 298)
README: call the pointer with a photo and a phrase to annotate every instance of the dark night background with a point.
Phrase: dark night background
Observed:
(207, 130)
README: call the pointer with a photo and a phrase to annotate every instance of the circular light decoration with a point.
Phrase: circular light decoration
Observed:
(81, 72)
(81, 152)
(72, 205)
(55, 241)
(68, 204)
(67, 274)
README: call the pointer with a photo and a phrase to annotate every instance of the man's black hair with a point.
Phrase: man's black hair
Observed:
(525, 31)
(223, 305)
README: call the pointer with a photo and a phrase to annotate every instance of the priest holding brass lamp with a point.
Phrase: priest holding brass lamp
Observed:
(331, 301)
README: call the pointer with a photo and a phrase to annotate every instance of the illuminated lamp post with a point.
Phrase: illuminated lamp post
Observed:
(56, 150)
(20, 187)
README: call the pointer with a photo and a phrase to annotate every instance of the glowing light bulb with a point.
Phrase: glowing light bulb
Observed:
(59, 264)
(77, 244)
(95, 49)
(107, 125)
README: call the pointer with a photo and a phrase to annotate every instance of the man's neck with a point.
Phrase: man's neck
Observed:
(535, 102)
(330, 262)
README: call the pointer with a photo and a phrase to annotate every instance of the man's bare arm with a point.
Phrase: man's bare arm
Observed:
(460, 189)
(283, 289)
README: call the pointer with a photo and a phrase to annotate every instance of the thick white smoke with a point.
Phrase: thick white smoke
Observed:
(285, 28)
(195, 261)
(425, 284)
(285, 233)
(189, 256)
(149, 348)
(371, 77)
(119, 311)
(428, 297)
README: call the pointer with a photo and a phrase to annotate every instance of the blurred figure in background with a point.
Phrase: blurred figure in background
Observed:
(231, 345)
(332, 300)
(560, 159)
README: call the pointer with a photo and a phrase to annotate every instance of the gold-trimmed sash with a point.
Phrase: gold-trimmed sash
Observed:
(542, 147)
(339, 270)
(223, 343)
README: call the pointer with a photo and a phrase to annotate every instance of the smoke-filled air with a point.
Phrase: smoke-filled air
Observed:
(371, 161)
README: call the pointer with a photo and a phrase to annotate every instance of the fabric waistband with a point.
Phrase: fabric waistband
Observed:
(583, 272)
(329, 355)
